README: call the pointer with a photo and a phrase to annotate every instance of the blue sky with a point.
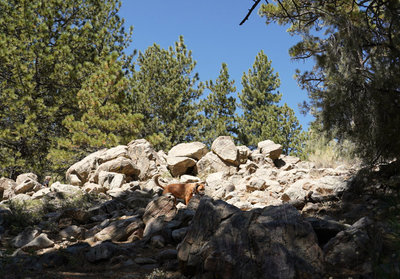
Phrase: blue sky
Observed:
(211, 30)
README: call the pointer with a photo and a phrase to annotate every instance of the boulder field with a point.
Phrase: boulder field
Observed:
(264, 215)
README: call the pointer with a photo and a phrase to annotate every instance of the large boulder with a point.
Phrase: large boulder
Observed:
(273, 242)
(65, 189)
(144, 157)
(113, 153)
(194, 150)
(7, 187)
(270, 149)
(26, 176)
(158, 212)
(179, 165)
(25, 237)
(119, 165)
(120, 230)
(111, 180)
(351, 252)
(211, 163)
(83, 168)
(40, 242)
(27, 185)
(298, 190)
(226, 149)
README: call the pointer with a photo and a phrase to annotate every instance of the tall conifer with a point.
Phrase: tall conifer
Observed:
(218, 118)
(164, 90)
(262, 117)
(47, 50)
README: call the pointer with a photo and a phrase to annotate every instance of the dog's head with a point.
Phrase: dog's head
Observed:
(200, 188)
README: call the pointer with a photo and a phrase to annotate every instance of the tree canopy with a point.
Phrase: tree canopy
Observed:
(47, 51)
(262, 116)
(218, 118)
(164, 90)
(355, 84)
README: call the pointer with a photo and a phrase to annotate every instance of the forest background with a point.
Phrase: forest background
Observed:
(69, 86)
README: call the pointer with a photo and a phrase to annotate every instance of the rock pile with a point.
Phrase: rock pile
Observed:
(261, 218)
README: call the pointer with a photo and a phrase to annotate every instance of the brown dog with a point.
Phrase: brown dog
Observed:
(183, 191)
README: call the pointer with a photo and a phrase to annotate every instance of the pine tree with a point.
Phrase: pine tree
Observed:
(262, 116)
(47, 50)
(218, 118)
(354, 85)
(164, 91)
(259, 102)
(290, 133)
(106, 120)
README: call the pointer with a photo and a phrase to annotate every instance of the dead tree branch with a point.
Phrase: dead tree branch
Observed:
(250, 11)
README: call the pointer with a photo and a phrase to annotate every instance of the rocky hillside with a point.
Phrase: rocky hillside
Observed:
(264, 215)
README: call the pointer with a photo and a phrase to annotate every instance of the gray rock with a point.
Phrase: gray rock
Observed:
(351, 252)
(7, 187)
(179, 234)
(71, 232)
(211, 163)
(270, 149)
(111, 180)
(169, 254)
(158, 241)
(26, 186)
(25, 237)
(102, 251)
(20, 198)
(83, 168)
(244, 153)
(194, 150)
(144, 157)
(113, 153)
(180, 165)
(26, 176)
(41, 193)
(119, 165)
(143, 261)
(274, 242)
(226, 149)
(120, 230)
(65, 188)
(40, 242)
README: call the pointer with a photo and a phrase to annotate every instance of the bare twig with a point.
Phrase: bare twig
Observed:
(250, 11)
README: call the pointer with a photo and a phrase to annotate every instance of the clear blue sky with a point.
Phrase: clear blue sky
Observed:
(211, 30)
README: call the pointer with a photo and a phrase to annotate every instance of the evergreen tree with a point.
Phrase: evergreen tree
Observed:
(354, 86)
(47, 50)
(262, 117)
(290, 134)
(164, 91)
(106, 120)
(259, 102)
(218, 108)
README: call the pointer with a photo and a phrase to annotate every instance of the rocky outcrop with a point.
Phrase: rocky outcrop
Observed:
(265, 215)
(80, 171)
(223, 242)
